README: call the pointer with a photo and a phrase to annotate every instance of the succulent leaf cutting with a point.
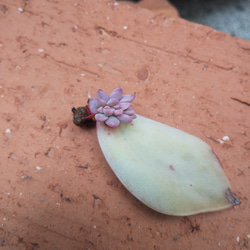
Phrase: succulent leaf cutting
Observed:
(167, 169)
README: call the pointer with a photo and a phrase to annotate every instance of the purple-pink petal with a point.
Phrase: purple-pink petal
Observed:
(92, 105)
(127, 98)
(101, 117)
(117, 93)
(125, 118)
(118, 112)
(125, 105)
(129, 112)
(118, 106)
(100, 103)
(108, 111)
(112, 122)
(100, 110)
(112, 101)
(102, 95)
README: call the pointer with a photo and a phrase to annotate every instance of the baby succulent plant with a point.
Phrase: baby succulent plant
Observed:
(112, 109)
(170, 171)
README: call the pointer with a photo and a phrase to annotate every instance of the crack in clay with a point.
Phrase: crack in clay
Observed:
(176, 54)
(30, 222)
(103, 31)
(240, 101)
(47, 56)
(26, 42)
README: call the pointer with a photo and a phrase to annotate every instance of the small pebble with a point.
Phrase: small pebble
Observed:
(220, 141)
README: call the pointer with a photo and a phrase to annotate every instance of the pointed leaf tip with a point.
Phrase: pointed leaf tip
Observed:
(232, 198)
(117, 93)
(127, 98)
(102, 95)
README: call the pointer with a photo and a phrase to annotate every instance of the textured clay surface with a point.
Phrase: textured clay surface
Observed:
(56, 189)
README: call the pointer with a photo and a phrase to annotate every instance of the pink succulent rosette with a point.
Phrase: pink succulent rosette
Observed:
(112, 109)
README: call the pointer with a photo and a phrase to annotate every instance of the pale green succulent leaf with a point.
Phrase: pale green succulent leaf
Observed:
(167, 169)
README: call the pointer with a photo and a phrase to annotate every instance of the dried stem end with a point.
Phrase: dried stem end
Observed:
(232, 198)
(83, 117)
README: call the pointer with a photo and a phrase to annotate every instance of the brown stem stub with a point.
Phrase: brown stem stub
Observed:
(232, 198)
(82, 117)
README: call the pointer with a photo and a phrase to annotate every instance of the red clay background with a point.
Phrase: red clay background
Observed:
(56, 189)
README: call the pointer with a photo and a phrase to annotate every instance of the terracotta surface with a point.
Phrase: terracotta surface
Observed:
(57, 191)
(158, 6)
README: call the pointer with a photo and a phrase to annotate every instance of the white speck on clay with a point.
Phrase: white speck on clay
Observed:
(125, 27)
(224, 138)
(20, 10)
(220, 141)
(40, 50)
